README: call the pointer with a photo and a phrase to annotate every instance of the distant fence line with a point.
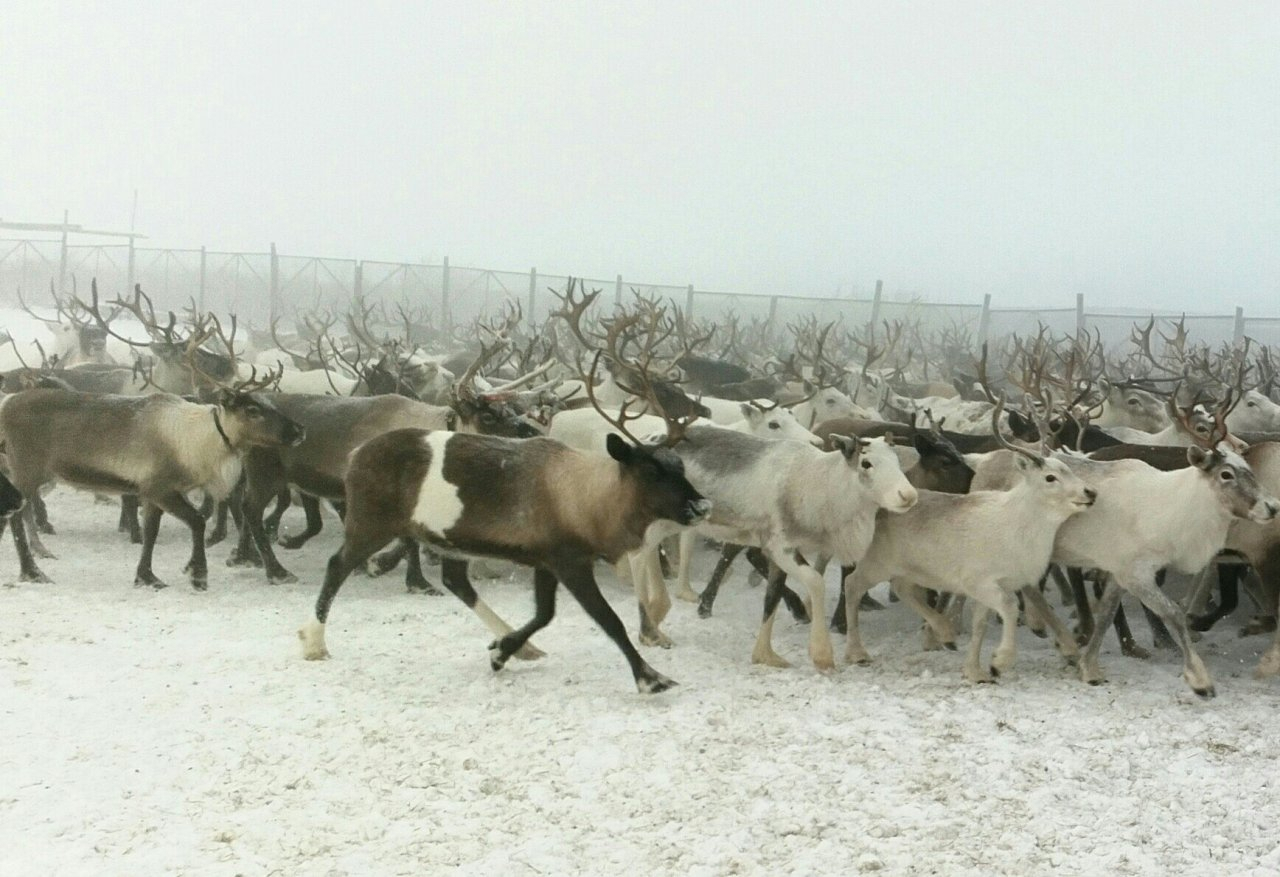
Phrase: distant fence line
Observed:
(258, 286)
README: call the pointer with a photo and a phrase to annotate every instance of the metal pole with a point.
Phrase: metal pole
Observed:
(875, 306)
(275, 282)
(202, 277)
(444, 296)
(1238, 334)
(773, 308)
(533, 298)
(62, 261)
(617, 293)
(357, 281)
(1079, 313)
(984, 321)
(688, 303)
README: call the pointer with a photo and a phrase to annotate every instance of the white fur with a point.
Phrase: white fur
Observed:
(312, 636)
(438, 506)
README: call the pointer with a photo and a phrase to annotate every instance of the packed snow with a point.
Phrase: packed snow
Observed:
(175, 732)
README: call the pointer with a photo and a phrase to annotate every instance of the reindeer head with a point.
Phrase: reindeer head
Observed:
(248, 418)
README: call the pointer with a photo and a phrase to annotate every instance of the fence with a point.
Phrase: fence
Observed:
(259, 286)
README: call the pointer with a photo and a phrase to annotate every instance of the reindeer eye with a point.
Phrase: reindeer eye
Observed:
(1227, 475)
(775, 425)
(254, 414)
(1252, 404)
(866, 464)
(1051, 478)
(1133, 401)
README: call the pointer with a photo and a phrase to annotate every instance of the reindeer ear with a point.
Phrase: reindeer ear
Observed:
(748, 410)
(1198, 457)
(618, 448)
(227, 399)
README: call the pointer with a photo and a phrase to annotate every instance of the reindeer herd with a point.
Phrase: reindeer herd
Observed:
(1036, 478)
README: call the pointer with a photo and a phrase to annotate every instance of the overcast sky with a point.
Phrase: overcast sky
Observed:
(1130, 151)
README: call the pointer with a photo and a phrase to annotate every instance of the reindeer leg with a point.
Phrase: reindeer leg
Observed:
(1161, 638)
(27, 563)
(453, 573)
(515, 643)
(1107, 605)
(197, 567)
(795, 603)
(385, 562)
(1229, 575)
(798, 568)
(144, 577)
(284, 499)
(357, 546)
(687, 539)
(207, 506)
(33, 533)
(1062, 637)
(310, 508)
(41, 512)
(579, 581)
(414, 581)
(129, 518)
(708, 598)
(1193, 669)
(763, 652)
(942, 631)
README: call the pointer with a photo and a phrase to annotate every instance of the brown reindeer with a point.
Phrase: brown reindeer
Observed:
(158, 447)
(536, 502)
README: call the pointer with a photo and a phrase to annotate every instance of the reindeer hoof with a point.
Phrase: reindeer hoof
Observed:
(1258, 624)
(654, 683)
(497, 656)
(148, 582)
(995, 671)
(36, 577)
(655, 638)
(46, 528)
(423, 587)
(704, 609)
(1206, 693)
(1133, 650)
(244, 561)
(283, 577)
(291, 542)
(215, 537)
(770, 659)
(950, 646)
(688, 595)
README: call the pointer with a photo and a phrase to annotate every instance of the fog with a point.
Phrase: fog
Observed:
(1031, 151)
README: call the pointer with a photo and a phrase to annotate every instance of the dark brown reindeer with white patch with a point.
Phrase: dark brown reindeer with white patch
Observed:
(534, 501)
(158, 447)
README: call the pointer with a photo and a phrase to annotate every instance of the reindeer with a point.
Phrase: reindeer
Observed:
(76, 341)
(536, 502)
(158, 447)
(987, 545)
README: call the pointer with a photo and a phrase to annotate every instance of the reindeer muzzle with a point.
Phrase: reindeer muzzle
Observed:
(696, 512)
(1264, 512)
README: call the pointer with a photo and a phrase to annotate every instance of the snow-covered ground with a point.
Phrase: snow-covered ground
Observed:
(172, 732)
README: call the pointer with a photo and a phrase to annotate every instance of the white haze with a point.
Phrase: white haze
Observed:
(1127, 151)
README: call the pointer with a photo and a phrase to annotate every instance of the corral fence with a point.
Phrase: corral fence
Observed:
(260, 285)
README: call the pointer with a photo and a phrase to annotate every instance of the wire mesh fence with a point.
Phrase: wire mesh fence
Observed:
(262, 285)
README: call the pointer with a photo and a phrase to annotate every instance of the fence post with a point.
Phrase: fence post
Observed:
(203, 254)
(444, 295)
(1079, 313)
(984, 321)
(773, 308)
(357, 281)
(688, 303)
(275, 282)
(533, 297)
(129, 284)
(617, 293)
(1238, 334)
(875, 307)
(62, 260)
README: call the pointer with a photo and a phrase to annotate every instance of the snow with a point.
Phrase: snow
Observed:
(173, 732)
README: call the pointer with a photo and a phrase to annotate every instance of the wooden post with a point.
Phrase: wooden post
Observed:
(617, 293)
(357, 281)
(533, 298)
(275, 282)
(1238, 334)
(1079, 313)
(62, 261)
(444, 295)
(203, 254)
(688, 303)
(984, 321)
(773, 308)
(875, 307)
